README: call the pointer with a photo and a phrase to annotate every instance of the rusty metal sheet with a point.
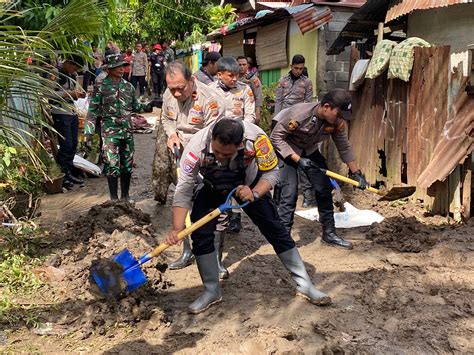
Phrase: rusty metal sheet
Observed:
(310, 18)
(399, 8)
(455, 143)
(367, 128)
(396, 124)
(427, 112)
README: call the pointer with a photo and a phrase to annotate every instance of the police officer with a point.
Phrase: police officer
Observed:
(207, 73)
(232, 154)
(239, 104)
(295, 137)
(114, 101)
(237, 96)
(188, 106)
(252, 80)
(295, 88)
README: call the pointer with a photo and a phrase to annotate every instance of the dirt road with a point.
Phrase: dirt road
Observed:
(407, 287)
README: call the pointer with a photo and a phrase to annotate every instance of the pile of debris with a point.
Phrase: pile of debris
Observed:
(103, 232)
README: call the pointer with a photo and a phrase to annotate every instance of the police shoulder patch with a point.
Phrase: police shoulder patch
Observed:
(256, 82)
(341, 126)
(189, 162)
(293, 125)
(264, 153)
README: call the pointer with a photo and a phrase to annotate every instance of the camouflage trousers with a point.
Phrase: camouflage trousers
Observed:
(117, 153)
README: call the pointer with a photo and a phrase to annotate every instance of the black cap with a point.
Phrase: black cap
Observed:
(211, 57)
(341, 99)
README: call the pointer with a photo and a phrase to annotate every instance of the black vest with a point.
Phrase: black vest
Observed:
(222, 179)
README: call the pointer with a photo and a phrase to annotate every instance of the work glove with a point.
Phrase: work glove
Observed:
(306, 164)
(360, 178)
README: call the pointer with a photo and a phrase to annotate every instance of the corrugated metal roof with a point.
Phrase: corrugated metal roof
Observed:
(307, 16)
(402, 7)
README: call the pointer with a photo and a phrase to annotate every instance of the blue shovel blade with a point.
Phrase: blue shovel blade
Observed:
(127, 280)
(133, 275)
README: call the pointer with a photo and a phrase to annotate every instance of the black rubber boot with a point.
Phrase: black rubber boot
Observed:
(125, 186)
(330, 237)
(186, 258)
(235, 224)
(294, 264)
(68, 184)
(219, 246)
(113, 187)
(208, 270)
(74, 179)
(309, 202)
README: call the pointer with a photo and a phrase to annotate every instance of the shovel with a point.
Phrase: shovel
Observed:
(121, 274)
(395, 193)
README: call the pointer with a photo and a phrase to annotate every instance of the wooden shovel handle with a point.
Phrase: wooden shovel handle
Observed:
(350, 181)
(185, 232)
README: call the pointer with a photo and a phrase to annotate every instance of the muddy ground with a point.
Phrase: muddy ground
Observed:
(407, 287)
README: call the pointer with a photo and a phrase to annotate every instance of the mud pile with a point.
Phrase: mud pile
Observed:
(404, 234)
(103, 232)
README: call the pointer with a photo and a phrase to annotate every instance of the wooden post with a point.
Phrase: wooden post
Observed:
(467, 188)
(380, 32)
(455, 193)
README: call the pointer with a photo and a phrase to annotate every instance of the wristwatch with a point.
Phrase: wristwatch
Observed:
(256, 195)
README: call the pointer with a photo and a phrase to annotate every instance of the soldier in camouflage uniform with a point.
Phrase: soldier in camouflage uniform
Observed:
(295, 88)
(252, 80)
(114, 102)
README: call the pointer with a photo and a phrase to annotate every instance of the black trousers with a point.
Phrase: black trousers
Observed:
(289, 191)
(141, 82)
(157, 78)
(68, 127)
(262, 212)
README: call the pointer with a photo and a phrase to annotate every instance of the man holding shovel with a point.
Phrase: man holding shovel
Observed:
(188, 106)
(233, 154)
(296, 137)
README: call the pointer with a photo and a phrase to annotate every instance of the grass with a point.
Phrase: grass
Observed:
(17, 261)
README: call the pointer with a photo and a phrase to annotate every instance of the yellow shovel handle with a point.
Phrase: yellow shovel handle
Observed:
(352, 182)
(185, 232)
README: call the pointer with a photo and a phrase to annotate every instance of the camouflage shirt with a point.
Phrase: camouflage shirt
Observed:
(114, 102)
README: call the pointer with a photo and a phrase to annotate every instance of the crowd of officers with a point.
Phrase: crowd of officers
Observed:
(212, 117)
